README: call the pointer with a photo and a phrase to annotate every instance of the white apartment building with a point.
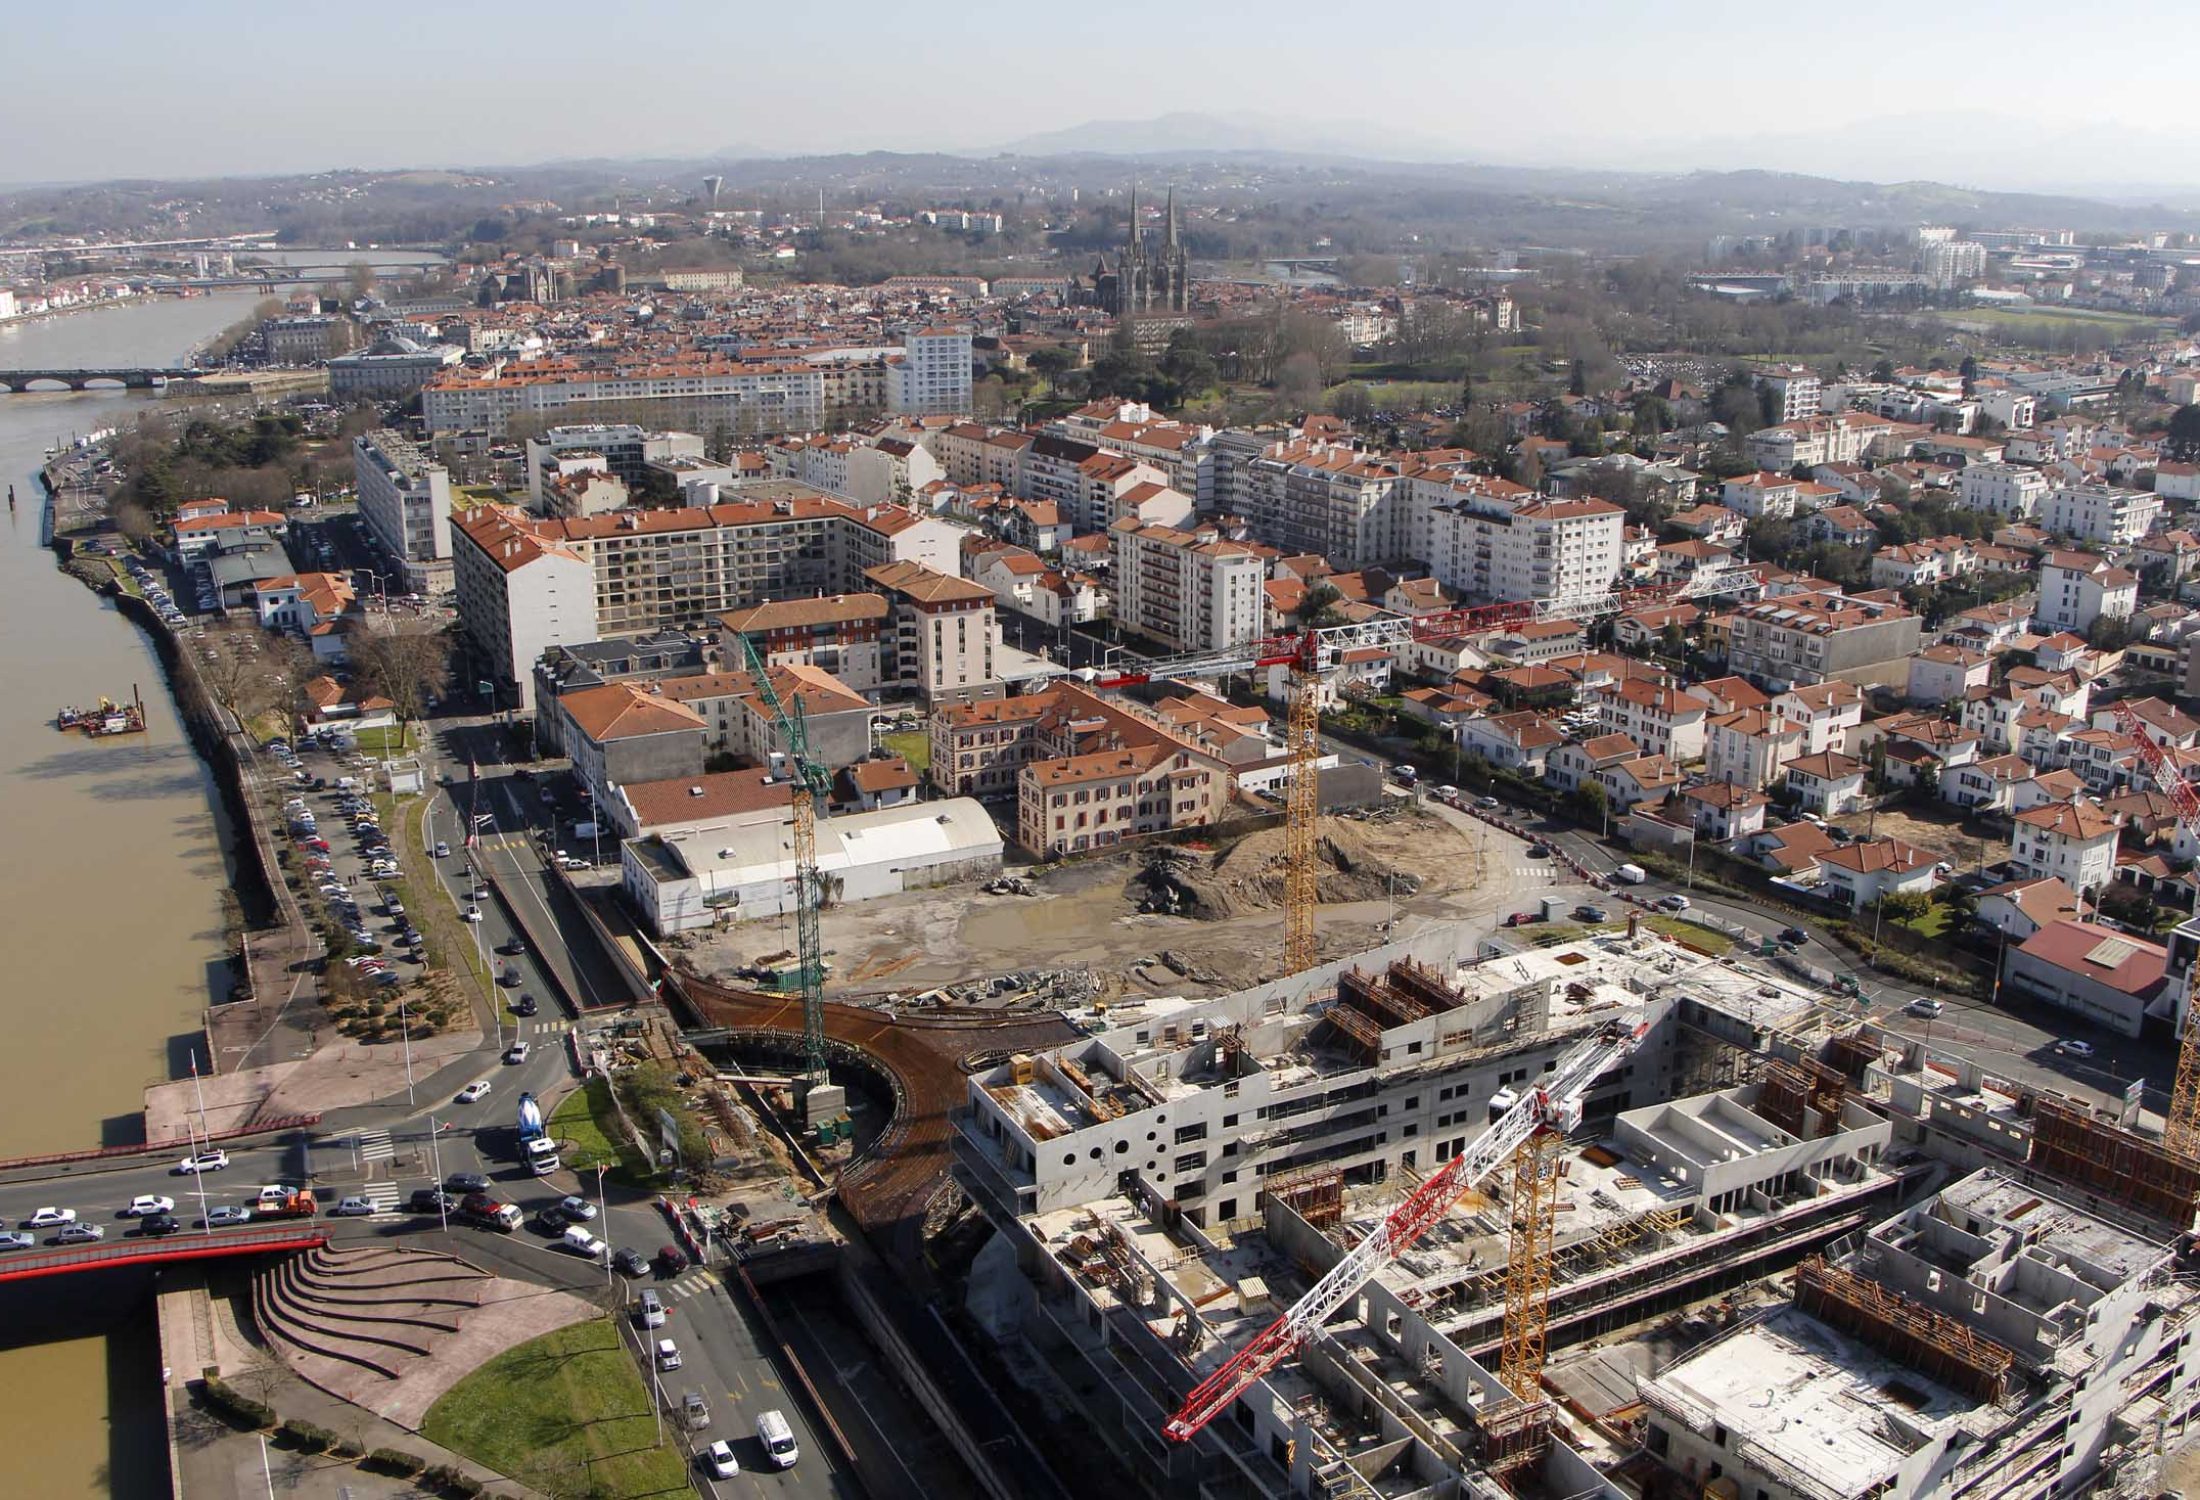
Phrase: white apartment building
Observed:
(2078, 588)
(1797, 389)
(2013, 490)
(698, 394)
(519, 593)
(1762, 494)
(1507, 543)
(1086, 483)
(405, 501)
(2099, 513)
(1190, 590)
(932, 376)
(1179, 450)
(1322, 498)
(1842, 438)
(945, 632)
(2075, 842)
(1950, 262)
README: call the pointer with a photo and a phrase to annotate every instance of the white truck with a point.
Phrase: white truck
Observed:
(1630, 875)
(542, 1156)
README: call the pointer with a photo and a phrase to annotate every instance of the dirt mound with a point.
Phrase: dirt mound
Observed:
(1247, 875)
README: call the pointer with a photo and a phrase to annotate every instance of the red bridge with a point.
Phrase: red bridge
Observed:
(166, 1248)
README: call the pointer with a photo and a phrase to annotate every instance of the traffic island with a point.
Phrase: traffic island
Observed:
(565, 1414)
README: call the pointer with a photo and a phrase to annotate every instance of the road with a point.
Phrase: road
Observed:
(2014, 1039)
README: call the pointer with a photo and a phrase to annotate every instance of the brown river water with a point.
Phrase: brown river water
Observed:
(111, 870)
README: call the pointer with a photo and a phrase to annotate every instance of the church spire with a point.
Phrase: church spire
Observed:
(1132, 237)
(1172, 216)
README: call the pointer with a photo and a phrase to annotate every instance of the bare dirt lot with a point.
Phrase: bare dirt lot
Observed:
(1085, 915)
(1940, 833)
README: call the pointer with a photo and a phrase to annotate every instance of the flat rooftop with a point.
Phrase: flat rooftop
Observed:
(1836, 1416)
(2102, 1253)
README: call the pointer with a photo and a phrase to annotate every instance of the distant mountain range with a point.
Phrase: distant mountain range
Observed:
(1981, 150)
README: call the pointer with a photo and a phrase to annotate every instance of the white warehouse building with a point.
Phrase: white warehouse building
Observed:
(702, 877)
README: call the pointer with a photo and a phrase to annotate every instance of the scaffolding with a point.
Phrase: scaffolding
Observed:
(1788, 1092)
(1316, 1196)
(1512, 1437)
(1929, 1342)
(2108, 1161)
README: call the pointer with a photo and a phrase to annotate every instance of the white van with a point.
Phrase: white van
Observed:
(778, 1439)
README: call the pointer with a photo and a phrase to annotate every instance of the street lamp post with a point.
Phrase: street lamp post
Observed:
(603, 1212)
(404, 1031)
(435, 1147)
(199, 1146)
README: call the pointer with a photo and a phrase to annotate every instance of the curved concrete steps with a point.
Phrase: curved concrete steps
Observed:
(382, 1333)
(296, 1295)
(379, 1269)
(279, 1331)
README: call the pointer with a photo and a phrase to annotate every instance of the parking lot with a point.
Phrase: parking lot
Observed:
(346, 856)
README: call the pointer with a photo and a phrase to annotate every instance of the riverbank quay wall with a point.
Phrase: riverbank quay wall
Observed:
(276, 937)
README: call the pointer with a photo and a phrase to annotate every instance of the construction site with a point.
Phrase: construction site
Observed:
(1459, 1213)
(1751, 1247)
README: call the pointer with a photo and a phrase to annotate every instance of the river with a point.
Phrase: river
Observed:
(112, 886)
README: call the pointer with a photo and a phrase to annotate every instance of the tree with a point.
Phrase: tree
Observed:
(1299, 380)
(360, 277)
(2183, 440)
(1318, 607)
(249, 671)
(405, 660)
(1352, 401)
(1052, 362)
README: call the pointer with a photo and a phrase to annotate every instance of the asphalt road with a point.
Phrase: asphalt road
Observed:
(2014, 1039)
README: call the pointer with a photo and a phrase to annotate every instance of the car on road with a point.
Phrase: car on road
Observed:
(466, 1182)
(1539, 851)
(205, 1161)
(442, 850)
(516, 1053)
(148, 1203)
(671, 1260)
(718, 1460)
(50, 1218)
(668, 1355)
(509, 979)
(1487, 804)
(584, 1244)
(577, 1208)
(351, 1208)
(1926, 1006)
(649, 1309)
(524, 1006)
(470, 914)
(511, 948)
(431, 1201)
(628, 1262)
(225, 1213)
(80, 1234)
(1795, 935)
(159, 1224)
(16, 1239)
(2072, 1047)
(474, 1092)
(1674, 902)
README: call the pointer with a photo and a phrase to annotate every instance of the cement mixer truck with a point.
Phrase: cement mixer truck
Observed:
(535, 1146)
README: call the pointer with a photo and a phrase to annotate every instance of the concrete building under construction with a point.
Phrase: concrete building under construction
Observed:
(1983, 1296)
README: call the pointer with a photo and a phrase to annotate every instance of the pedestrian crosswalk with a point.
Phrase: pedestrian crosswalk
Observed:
(383, 1196)
(688, 1285)
(552, 1028)
(374, 1146)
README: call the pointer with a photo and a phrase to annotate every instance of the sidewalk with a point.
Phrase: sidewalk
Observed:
(336, 1075)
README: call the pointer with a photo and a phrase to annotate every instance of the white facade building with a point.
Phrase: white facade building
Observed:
(1189, 589)
(405, 500)
(932, 377)
(2099, 513)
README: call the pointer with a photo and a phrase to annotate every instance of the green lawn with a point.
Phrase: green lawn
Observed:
(1934, 923)
(566, 1414)
(913, 746)
(589, 1125)
(2050, 314)
(1710, 941)
(375, 741)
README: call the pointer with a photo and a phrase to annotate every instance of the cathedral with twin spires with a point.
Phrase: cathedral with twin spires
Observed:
(1145, 281)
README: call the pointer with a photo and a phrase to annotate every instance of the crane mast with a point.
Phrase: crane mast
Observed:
(808, 790)
(1552, 1106)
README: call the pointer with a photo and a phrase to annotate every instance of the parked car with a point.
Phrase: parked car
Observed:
(1591, 914)
(1539, 851)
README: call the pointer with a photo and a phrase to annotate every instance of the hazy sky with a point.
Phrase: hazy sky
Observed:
(2027, 92)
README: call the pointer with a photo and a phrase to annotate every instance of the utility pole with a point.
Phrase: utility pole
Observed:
(435, 1147)
(199, 1147)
